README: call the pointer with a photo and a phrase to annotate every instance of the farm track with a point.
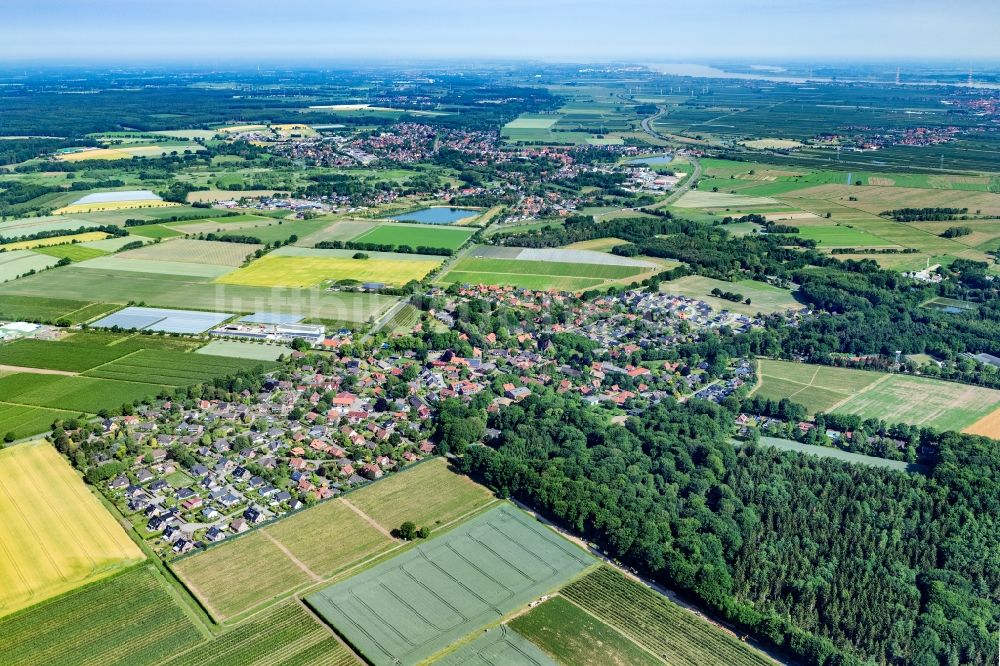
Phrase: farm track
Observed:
(291, 556)
(368, 519)
(37, 371)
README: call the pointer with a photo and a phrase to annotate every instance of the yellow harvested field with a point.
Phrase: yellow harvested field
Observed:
(94, 154)
(56, 240)
(112, 205)
(988, 426)
(309, 271)
(55, 535)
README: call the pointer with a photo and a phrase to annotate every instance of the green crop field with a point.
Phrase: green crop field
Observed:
(16, 263)
(764, 298)
(129, 618)
(122, 265)
(894, 398)
(73, 393)
(117, 369)
(51, 309)
(172, 368)
(84, 350)
(536, 274)
(23, 421)
(657, 624)
(342, 230)
(284, 230)
(417, 235)
(414, 605)
(68, 355)
(71, 251)
(405, 496)
(159, 290)
(154, 231)
(500, 645)
(286, 634)
(573, 636)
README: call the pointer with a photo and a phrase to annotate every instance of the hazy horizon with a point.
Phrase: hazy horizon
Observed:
(558, 30)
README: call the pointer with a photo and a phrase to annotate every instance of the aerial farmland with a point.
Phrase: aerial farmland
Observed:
(541, 364)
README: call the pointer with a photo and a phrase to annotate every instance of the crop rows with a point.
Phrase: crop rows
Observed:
(655, 623)
(287, 635)
(57, 355)
(129, 618)
(172, 368)
(78, 394)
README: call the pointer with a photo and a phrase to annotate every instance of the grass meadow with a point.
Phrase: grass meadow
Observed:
(416, 236)
(536, 274)
(893, 398)
(763, 297)
(404, 496)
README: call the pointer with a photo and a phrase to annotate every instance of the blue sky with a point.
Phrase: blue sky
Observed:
(71, 31)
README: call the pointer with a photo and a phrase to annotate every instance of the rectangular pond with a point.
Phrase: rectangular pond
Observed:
(436, 215)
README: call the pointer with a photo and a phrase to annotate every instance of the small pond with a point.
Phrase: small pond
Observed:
(436, 215)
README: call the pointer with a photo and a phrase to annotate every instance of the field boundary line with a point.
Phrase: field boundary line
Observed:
(131, 353)
(291, 556)
(328, 629)
(38, 371)
(67, 315)
(368, 519)
(613, 628)
(841, 403)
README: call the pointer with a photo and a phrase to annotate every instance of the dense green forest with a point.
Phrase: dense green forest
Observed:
(823, 558)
